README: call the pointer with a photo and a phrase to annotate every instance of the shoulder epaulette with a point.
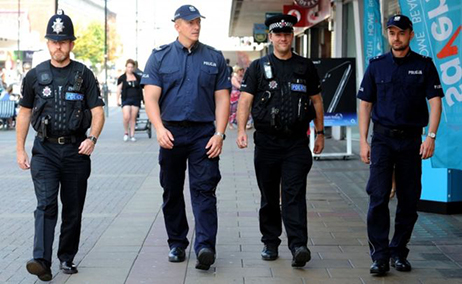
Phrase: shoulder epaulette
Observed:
(212, 48)
(378, 57)
(162, 47)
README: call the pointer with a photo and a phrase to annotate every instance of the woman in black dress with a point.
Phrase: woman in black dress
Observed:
(131, 93)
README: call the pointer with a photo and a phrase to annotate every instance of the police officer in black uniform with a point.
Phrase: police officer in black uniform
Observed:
(61, 100)
(187, 90)
(395, 89)
(283, 91)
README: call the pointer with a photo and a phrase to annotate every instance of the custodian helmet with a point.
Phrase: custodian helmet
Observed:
(60, 27)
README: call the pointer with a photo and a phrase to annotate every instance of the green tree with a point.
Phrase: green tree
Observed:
(89, 45)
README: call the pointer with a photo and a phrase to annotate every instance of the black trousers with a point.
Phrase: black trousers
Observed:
(282, 166)
(402, 156)
(54, 166)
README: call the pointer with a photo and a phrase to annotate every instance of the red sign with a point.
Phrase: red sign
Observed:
(308, 17)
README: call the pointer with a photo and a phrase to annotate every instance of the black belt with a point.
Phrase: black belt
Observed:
(71, 139)
(398, 132)
(185, 123)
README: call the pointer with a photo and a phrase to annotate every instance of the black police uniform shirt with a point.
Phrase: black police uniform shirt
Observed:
(90, 86)
(131, 90)
(283, 70)
(398, 89)
(188, 80)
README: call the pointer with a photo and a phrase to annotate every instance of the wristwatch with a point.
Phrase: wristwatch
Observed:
(93, 139)
(222, 135)
(320, 132)
(432, 135)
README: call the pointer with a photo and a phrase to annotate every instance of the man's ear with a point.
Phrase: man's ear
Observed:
(177, 25)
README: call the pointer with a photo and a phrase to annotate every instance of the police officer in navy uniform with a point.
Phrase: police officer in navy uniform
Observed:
(283, 92)
(186, 90)
(395, 89)
(61, 100)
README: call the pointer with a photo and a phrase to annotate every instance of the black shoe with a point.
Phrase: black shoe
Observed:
(269, 252)
(176, 254)
(68, 267)
(380, 267)
(301, 255)
(205, 258)
(40, 268)
(401, 264)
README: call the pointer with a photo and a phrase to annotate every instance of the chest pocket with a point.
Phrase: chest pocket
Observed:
(170, 77)
(208, 76)
(384, 87)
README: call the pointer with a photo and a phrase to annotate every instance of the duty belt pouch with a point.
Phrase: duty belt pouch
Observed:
(75, 118)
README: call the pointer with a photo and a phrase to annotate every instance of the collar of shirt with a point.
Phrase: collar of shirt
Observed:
(400, 60)
(178, 45)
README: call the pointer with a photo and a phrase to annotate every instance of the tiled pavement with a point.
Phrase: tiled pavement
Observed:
(124, 239)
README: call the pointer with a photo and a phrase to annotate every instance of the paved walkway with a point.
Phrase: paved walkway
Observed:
(124, 239)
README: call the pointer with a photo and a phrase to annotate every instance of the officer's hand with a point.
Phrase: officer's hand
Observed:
(241, 139)
(427, 148)
(86, 147)
(365, 152)
(23, 160)
(165, 138)
(214, 146)
(319, 144)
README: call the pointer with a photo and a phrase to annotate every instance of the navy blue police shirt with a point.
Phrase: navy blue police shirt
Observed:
(188, 80)
(399, 88)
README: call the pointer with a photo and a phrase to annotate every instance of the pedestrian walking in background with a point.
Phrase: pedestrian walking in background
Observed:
(186, 89)
(129, 95)
(283, 91)
(61, 100)
(236, 78)
(394, 93)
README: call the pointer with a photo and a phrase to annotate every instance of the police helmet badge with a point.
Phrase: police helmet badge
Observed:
(273, 84)
(58, 26)
(46, 92)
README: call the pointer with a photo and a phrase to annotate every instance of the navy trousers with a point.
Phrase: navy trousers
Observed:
(282, 166)
(204, 174)
(52, 166)
(401, 155)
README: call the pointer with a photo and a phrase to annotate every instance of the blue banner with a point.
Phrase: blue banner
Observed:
(372, 31)
(437, 29)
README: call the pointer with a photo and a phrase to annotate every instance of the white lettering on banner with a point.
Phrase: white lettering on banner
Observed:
(445, 26)
(452, 79)
(411, 4)
(453, 91)
(441, 9)
(451, 71)
(421, 39)
(415, 16)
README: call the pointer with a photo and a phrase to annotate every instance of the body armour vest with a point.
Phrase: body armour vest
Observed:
(282, 105)
(59, 105)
